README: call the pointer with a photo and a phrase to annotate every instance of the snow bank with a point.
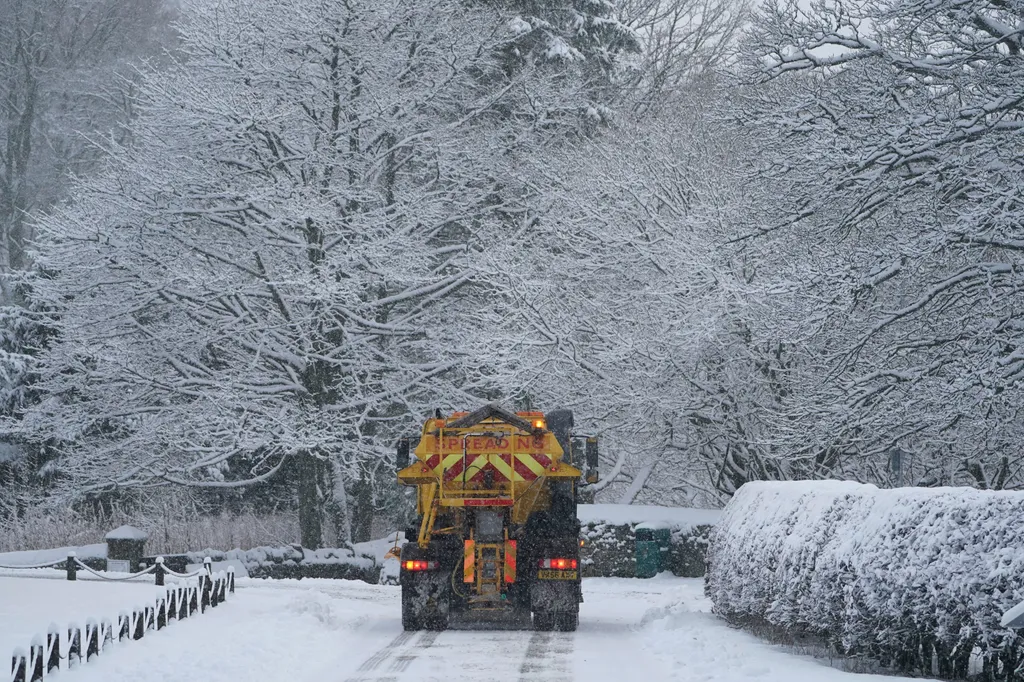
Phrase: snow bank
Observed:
(897, 575)
(676, 518)
(35, 557)
(294, 561)
(382, 552)
(378, 549)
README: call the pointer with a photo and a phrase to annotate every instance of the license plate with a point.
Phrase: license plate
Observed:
(556, 575)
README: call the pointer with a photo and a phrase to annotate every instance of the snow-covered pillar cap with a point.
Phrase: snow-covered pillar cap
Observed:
(126, 532)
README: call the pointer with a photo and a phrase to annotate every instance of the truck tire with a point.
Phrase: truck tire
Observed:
(437, 622)
(543, 621)
(567, 621)
(409, 620)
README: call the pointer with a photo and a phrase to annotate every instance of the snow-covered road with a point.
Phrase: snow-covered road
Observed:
(341, 631)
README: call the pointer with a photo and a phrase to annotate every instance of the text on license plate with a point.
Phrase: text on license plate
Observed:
(556, 575)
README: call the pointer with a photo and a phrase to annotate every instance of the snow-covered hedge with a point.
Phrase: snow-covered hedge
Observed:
(297, 562)
(609, 538)
(909, 576)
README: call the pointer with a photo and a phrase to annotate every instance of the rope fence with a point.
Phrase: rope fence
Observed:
(52, 564)
(72, 564)
(56, 651)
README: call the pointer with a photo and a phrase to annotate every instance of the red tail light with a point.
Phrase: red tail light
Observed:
(558, 564)
(417, 565)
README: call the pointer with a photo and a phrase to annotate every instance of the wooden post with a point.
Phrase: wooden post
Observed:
(72, 567)
(208, 565)
(161, 613)
(148, 614)
(215, 592)
(231, 579)
(159, 571)
(172, 603)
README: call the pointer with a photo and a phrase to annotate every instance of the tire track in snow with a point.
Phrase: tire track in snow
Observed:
(402, 661)
(399, 653)
(548, 658)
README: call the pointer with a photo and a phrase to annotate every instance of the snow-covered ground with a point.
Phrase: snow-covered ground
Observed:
(344, 631)
(37, 557)
(29, 605)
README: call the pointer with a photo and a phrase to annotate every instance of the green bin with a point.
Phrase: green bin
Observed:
(648, 553)
(663, 538)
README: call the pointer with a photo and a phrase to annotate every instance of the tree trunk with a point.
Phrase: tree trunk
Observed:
(363, 515)
(310, 523)
(339, 507)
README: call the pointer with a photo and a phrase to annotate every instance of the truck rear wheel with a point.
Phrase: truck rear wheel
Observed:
(437, 622)
(426, 603)
(543, 621)
(567, 621)
(409, 619)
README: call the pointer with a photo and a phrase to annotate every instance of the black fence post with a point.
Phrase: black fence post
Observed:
(231, 579)
(107, 637)
(193, 600)
(204, 589)
(172, 603)
(74, 647)
(19, 667)
(36, 661)
(72, 567)
(159, 571)
(52, 649)
(208, 565)
(140, 623)
(124, 627)
(215, 592)
(223, 587)
(92, 640)
(161, 613)
(149, 613)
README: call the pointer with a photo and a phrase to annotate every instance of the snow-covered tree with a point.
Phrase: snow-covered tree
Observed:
(583, 32)
(281, 271)
(24, 333)
(65, 80)
(63, 69)
(616, 280)
(891, 141)
(683, 43)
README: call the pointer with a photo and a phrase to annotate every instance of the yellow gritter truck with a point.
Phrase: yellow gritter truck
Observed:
(496, 540)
